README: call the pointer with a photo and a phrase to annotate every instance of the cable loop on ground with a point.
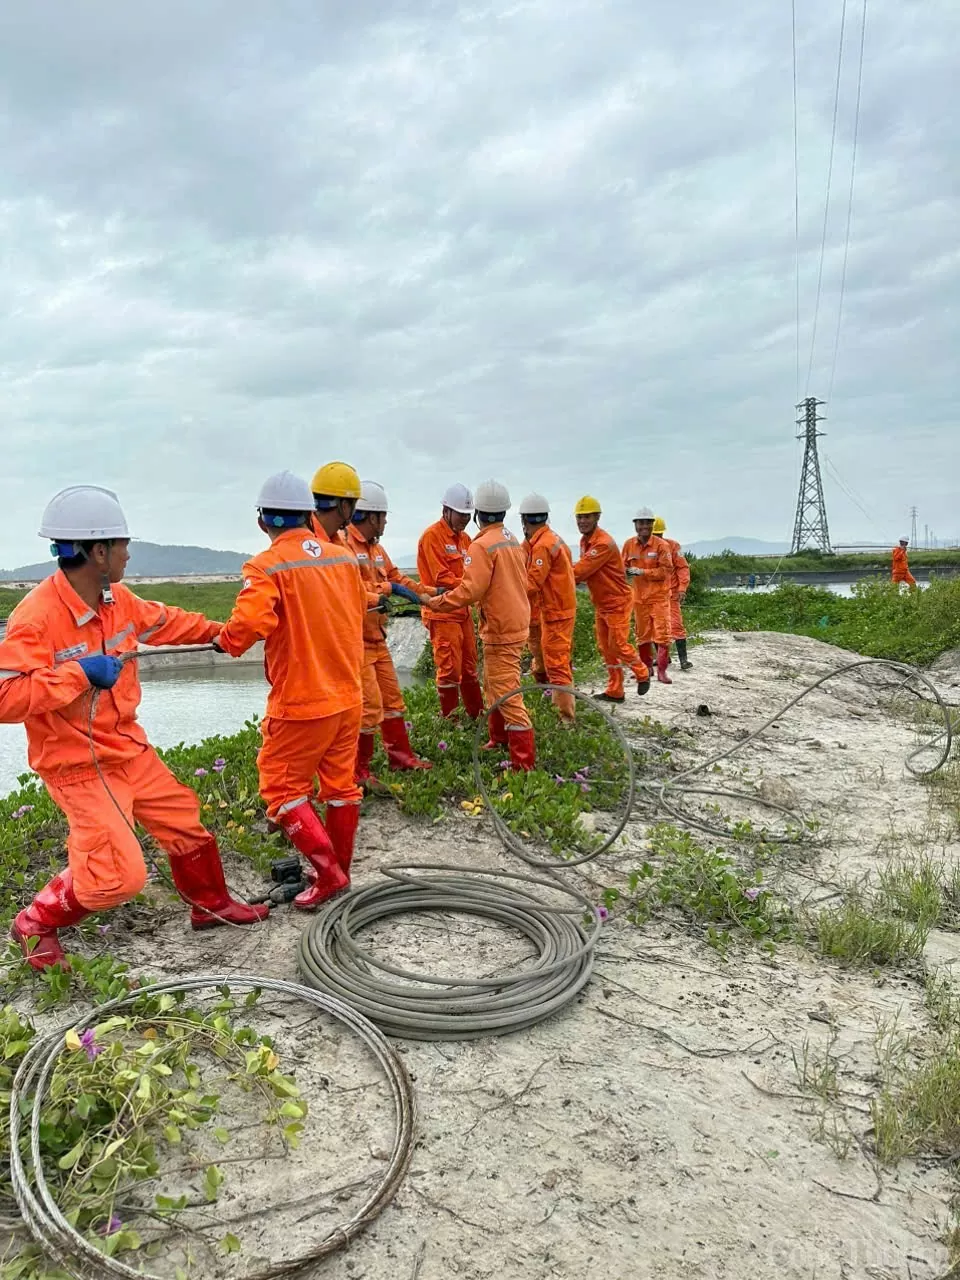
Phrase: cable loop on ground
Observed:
(419, 1006)
(77, 1255)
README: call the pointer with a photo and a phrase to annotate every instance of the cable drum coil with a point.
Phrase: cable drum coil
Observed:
(424, 1007)
(77, 1255)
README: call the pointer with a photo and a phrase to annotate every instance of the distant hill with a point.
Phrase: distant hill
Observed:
(149, 560)
(740, 546)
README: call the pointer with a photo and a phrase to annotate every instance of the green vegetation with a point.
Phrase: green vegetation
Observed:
(815, 562)
(215, 599)
(878, 621)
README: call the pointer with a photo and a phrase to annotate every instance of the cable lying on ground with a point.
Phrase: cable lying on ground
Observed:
(332, 959)
(77, 1255)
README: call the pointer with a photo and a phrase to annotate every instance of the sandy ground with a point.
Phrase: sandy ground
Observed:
(656, 1127)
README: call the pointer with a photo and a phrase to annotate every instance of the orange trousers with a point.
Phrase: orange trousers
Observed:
(103, 852)
(501, 673)
(454, 651)
(551, 643)
(651, 617)
(613, 640)
(296, 754)
(677, 631)
(909, 579)
(382, 696)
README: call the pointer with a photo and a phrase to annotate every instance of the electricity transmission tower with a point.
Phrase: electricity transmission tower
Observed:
(810, 531)
(913, 526)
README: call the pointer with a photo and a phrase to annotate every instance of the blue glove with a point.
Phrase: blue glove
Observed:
(101, 670)
(398, 589)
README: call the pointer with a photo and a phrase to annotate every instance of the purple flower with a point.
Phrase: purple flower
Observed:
(578, 776)
(103, 930)
(504, 764)
(557, 778)
(753, 893)
(89, 1044)
(408, 724)
(199, 773)
(219, 765)
(441, 746)
(602, 914)
(584, 787)
(112, 1227)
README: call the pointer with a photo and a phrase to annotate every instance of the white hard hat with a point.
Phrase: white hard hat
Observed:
(904, 539)
(459, 498)
(492, 496)
(534, 504)
(644, 513)
(84, 513)
(372, 497)
(285, 492)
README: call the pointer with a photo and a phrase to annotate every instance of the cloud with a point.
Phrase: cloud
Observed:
(550, 242)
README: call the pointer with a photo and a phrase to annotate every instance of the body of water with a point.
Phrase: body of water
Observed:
(838, 588)
(186, 707)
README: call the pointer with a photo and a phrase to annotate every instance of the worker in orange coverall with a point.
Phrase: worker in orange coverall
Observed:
(649, 567)
(601, 567)
(553, 602)
(900, 571)
(678, 590)
(59, 666)
(303, 596)
(440, 554)
(495, 577)
(383, 705)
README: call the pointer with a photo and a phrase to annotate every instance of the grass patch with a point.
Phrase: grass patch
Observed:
(862, 932)
(706, 887)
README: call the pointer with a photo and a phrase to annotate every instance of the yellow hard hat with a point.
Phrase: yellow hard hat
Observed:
(587, 506)
(659, 525)
(336, 480)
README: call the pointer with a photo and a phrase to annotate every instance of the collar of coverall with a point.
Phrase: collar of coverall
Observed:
(81, 611)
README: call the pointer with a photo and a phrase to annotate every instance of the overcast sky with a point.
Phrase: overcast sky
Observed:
(549, 241)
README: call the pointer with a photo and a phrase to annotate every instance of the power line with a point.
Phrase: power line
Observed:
(796, 183)
(826, 204)
(853, 170)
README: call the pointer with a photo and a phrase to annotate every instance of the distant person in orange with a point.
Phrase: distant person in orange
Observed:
(440, 554)
(649, 566)
(383, 705)
(552, 590)
(601, 567)
(900, 571)
(304, 597)
(495, 578)
(678, 591)
(59, 666)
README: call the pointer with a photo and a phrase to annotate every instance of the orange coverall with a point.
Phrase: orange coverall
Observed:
(42, 686)
(900, 571)
(601, 567)
(553, 611)
(304, 596)
(440, 554)
(678, 588)
(652, 580)
(495, 577)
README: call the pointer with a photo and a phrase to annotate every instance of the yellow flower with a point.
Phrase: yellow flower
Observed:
(72, 1041)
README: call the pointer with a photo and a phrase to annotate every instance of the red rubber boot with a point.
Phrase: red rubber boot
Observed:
(522, 750)
(198, 878)
(397, 742)
(663, 661)
(342, 820)
(303, 828)
(472, 696)
(449, 696)
(55, 907)
(498, 732)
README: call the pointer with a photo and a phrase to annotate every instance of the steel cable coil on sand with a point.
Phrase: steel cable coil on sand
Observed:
(77, 1255)
(420, 1006)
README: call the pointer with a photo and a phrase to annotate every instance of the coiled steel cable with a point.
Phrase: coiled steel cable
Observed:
(332, 959)
(77, 1255)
